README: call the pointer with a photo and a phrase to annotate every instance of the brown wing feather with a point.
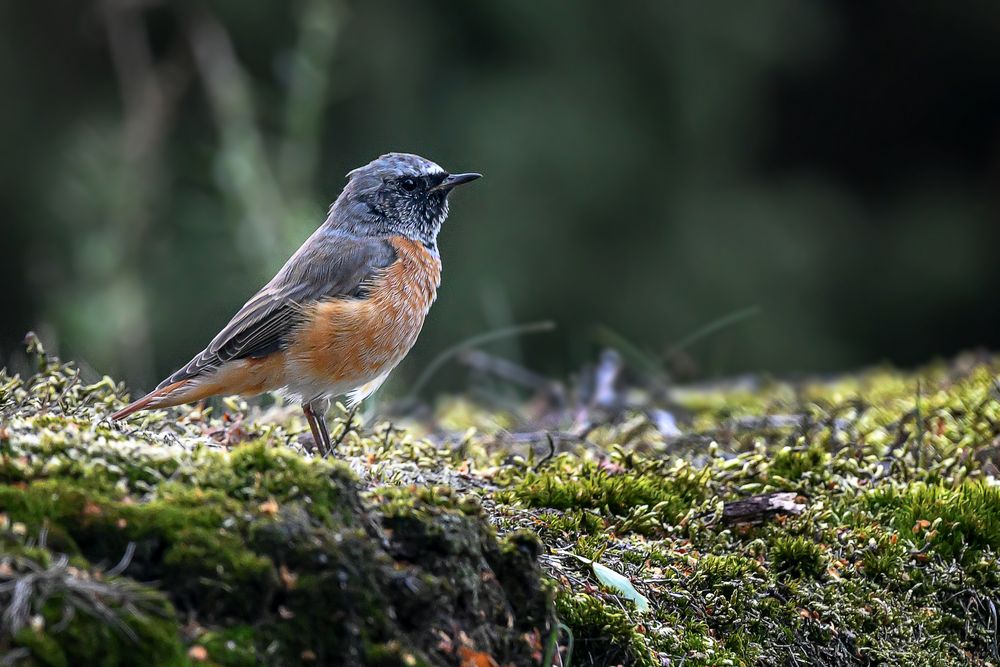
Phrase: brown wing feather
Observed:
(328, 265)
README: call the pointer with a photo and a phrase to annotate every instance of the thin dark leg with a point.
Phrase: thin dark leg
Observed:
(325, 434)
(318, 427)
(348, 427)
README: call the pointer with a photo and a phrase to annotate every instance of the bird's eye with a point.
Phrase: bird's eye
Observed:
(408, 184)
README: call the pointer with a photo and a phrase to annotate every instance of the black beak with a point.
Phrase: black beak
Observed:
(452, 180)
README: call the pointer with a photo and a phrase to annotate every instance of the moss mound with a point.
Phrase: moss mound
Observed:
(848, 521)
(251, 554)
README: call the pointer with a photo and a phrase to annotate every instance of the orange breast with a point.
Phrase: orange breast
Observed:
(356, 340)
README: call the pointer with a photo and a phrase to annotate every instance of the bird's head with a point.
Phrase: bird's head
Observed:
(397, 194)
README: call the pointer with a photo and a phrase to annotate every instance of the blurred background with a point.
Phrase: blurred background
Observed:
(815, 186)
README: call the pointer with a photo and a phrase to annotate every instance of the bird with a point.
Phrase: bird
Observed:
(345, 308)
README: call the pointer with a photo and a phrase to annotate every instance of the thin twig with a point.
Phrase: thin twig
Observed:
(349, 426)
(504, 369)
(552, 452)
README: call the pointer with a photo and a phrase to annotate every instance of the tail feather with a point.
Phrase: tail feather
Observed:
(159, 398)
(243, 376)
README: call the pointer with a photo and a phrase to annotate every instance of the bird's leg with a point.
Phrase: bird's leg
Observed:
(317, 425)
(323, 432)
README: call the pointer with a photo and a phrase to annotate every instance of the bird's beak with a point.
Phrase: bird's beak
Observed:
(452, 180)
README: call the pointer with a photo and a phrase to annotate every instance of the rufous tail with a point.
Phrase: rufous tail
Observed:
(155, 399)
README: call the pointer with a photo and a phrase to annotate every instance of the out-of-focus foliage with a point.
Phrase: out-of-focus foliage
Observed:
(650, 166)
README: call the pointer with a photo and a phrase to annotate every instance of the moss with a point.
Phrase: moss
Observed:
(280, 558)
(401, 501)
(515, 564)
(277, 555)
(797, 557)
(794, 464)
(231, 647)
(727, 570)
(647, 500)
(260, 472)
(75, 615)
(606, 633)
(884, 557)
(955, 523)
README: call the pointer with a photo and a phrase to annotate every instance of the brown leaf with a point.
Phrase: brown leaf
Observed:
(288, 578)
(471, 658)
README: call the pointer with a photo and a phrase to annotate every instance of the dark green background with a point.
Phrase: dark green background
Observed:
(650, 166)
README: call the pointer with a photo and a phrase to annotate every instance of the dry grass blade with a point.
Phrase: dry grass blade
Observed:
(26, 586)
(474, 341)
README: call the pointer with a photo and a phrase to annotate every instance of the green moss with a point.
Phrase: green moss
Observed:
(572, 522)
(606, 633)
(231, 647)
(955, 523)
(74, 615)
(261, 551)
(798, 557)
(884, 556)
(263, 555)
(400, 501)
(725, 570)
(260, 472)
(794, 464)
(649, 501)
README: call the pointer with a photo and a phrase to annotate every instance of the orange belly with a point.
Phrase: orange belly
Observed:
(346, 343)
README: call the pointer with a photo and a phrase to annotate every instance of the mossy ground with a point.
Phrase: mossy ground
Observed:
(223, 541)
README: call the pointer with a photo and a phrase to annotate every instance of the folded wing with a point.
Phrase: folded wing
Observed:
(342, 267)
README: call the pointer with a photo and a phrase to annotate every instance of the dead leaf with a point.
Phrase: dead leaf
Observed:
(288, 578)
(471, 658)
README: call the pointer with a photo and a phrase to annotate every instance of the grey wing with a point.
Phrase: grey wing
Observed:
(321, 269)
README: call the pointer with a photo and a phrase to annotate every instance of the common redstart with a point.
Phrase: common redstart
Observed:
(343, 310)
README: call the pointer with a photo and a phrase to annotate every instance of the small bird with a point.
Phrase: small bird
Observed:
(343, 310)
